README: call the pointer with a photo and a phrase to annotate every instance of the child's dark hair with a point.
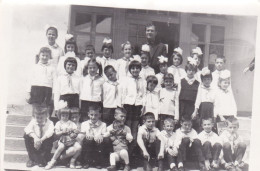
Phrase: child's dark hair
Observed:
(191, 67)
(109, 67)
(208, 119)
(150, 25)
(148, 115)
(71, 60)
(233, 120)
(169, 76)
(40, 109)
(85, 70)
(75, 110)
(71, 41)
(134, 63)
(42, 50)
(186, 118)
(121, 110)
(94, 107)
(52, 28)
(176, 54)
(151, 78)
(205, 76)
(107, 45)
(90, 47)
(221, 57)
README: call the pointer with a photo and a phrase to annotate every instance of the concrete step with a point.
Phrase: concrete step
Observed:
(14, 144)
(244, 123)
(20, 109)
(14, 131)
(16, 156)
(19, 120)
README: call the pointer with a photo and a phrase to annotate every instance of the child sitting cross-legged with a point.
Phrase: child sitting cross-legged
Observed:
(169, 136)
(120, 135)
(211, 144)
(151, 142)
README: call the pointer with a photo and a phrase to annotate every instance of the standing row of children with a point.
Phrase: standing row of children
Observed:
(103, 91)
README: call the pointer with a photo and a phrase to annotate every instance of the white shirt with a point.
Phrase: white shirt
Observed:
(169, 102)
(91, 88)
(151, 103)
(205, 95)
(159, 76)
(122, 68)
(178, 73)
(83, 63)
(148, 134)
(146, 71)
(133, 90)
(111, 94)
(34, 127)
(56, 53)
(233, 139)
(169, 139)
(180, 134)
(211, 137)
(42, 75)
(105, 62)
(61, 69)
(97, 129)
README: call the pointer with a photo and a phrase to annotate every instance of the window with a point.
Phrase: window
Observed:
(136, 35)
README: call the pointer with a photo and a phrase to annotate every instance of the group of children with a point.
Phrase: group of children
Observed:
(121, 109)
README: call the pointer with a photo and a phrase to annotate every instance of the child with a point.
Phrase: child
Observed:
(56, 50)
(92, 134)
(68, 85)
(163, 66)
(169, 101)
(175, 68)
(187, 140)
(205, 99)
(41, 80)
(91, 87)
(133, 90)
(171, 151)
(211, 144)
(123, 63)
(107, 50)
(151, 142)
(151, 97)
(67, 131)
(38, 137)
(111, 95)
(225, 105)
(188, 91)
(220, 67)
(71, 50)
(89, 54)
(196, 54)
(145, 56)
(233, 146)
(120, 136)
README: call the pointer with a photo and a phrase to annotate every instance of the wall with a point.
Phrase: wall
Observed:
(27, 36)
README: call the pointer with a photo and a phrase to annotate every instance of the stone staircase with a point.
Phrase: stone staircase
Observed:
(15, 155)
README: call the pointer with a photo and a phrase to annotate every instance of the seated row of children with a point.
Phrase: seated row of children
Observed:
(92, 141)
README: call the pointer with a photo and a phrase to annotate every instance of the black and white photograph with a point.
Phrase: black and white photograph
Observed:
(100, 87)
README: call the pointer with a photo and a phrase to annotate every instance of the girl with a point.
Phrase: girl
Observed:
(175, 68)
(205, 99)
(169, 100)
(225, 105)
(67, 131)
(71, 50)
(145, 56)
(196, 54)
(133, 89)
(91, 87)
(107, 50)
(56, 50)
(163, 66)
(41, 80)
(123, 63)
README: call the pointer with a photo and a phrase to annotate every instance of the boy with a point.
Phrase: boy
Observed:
(89, 54)
(211, 144)
(110, 95)
(151, 142)
(220, 67)
(92, 131)
(120, 136)
(233, 146)
(187, 140)
(38, 137)
(169, 136)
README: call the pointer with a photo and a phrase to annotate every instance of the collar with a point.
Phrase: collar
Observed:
(208, 134)
(151, 92)
(94, 77)
(54, 46)
(206, 88)
(175, 67)
(70, 75)
(95, 125)
(146, 67)
(225, 91)
(139, 77)
(125, 59)
(43, 124)
(167, 134)
(106, 58)
(149, 130)
(182, 131)
(190, 81)
(113, 83)
(44, 65)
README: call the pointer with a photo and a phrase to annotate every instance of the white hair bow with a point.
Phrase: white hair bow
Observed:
(47, 26)
(70, 54)
(62, 104)
(136, 58)
(197, 50)
(68, 37)
(162, 59)
(107, 40)
(205, 71)
(178, 50)
(145, 48)
(99, 60)
(225, 74)
(191, 61)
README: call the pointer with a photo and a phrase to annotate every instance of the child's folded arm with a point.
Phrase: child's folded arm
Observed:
(49, 132)
(140, 141)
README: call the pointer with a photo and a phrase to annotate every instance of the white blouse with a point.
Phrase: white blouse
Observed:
(146, 71)
(178, 73)
(205, 95)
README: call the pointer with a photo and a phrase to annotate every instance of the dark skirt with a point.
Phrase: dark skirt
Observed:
(40, 95)
(71, 99)
(206, 110)
(186, 108)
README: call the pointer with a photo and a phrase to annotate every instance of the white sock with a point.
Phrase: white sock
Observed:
(180, 165)
(172, 165)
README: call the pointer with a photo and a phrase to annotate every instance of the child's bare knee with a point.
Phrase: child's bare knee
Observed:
(123, 152)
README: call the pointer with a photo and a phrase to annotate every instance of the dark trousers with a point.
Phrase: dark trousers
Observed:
(108, 115)
(171, 159)
(162, 117)
(133, 114)
(211, 152)
(40, 95)
(153, 150)
(237, 155)
(85, 108)
(195, 148)
(41, 156)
